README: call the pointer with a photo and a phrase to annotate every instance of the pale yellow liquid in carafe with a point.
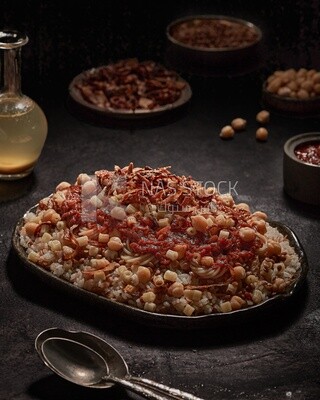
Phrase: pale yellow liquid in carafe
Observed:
(22, 136)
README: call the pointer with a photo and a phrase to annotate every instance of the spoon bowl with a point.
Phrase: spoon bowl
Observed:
(80, 357)
(87, 360)
(74, 362)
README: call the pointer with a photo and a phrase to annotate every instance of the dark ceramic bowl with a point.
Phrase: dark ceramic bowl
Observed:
(213, 60)
(290, 106)
(301, 179)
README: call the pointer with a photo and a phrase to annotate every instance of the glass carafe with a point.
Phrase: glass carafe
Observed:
(23, 125)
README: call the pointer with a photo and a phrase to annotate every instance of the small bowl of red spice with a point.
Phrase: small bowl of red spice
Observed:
(301, 167)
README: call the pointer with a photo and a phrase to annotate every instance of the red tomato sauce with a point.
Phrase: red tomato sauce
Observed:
(308, 152)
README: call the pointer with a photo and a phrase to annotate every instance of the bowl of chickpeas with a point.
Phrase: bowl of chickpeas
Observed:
(293, 91)
(214, 44)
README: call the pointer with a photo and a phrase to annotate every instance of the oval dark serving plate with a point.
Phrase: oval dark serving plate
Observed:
(166, 320)
(75, 94)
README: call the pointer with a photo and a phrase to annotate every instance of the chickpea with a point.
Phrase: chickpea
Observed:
(293, 95)
(30, 228)
(286, 78)
(291, 73)
(307, 85)
(278, 73)
(263, 117)
(239, 273)
(62, 186)
(227, 199)
(260, 224)
(274, 248)
(302, 94)
(238, 124)
(262, 134)
(47, 215)
(317, 88)
(236, 302)
(118, 213)
(176, 289)
(227, 132)
(243, 206)
(284, 91)
(270, 78)
(316, 77)
(247, 234)
(144, 274)
(300, 80)
(311, 73)
(293, 86)
(207, 261)
(274, 85)
(88, 187)
(302, 72)
(260, 215)
(222, 221)
(181, 250)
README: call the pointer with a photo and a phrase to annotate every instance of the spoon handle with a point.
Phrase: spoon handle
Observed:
(172, 392)
(146, 391)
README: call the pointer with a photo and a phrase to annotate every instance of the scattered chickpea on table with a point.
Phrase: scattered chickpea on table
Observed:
(227, 132)
(262, 134)
(240, 124)
(263, 117)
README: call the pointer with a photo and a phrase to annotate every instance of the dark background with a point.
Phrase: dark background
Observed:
(67, 37)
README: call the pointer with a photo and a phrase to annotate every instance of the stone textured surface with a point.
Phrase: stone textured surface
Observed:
(272, 356)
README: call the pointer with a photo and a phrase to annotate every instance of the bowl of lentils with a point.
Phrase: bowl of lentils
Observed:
(214, 41)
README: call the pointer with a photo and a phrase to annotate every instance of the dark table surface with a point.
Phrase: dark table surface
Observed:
(272, 355)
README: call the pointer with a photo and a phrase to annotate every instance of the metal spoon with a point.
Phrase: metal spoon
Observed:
(87, 360)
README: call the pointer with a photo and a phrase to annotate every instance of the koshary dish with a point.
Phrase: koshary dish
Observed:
(159, 242)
